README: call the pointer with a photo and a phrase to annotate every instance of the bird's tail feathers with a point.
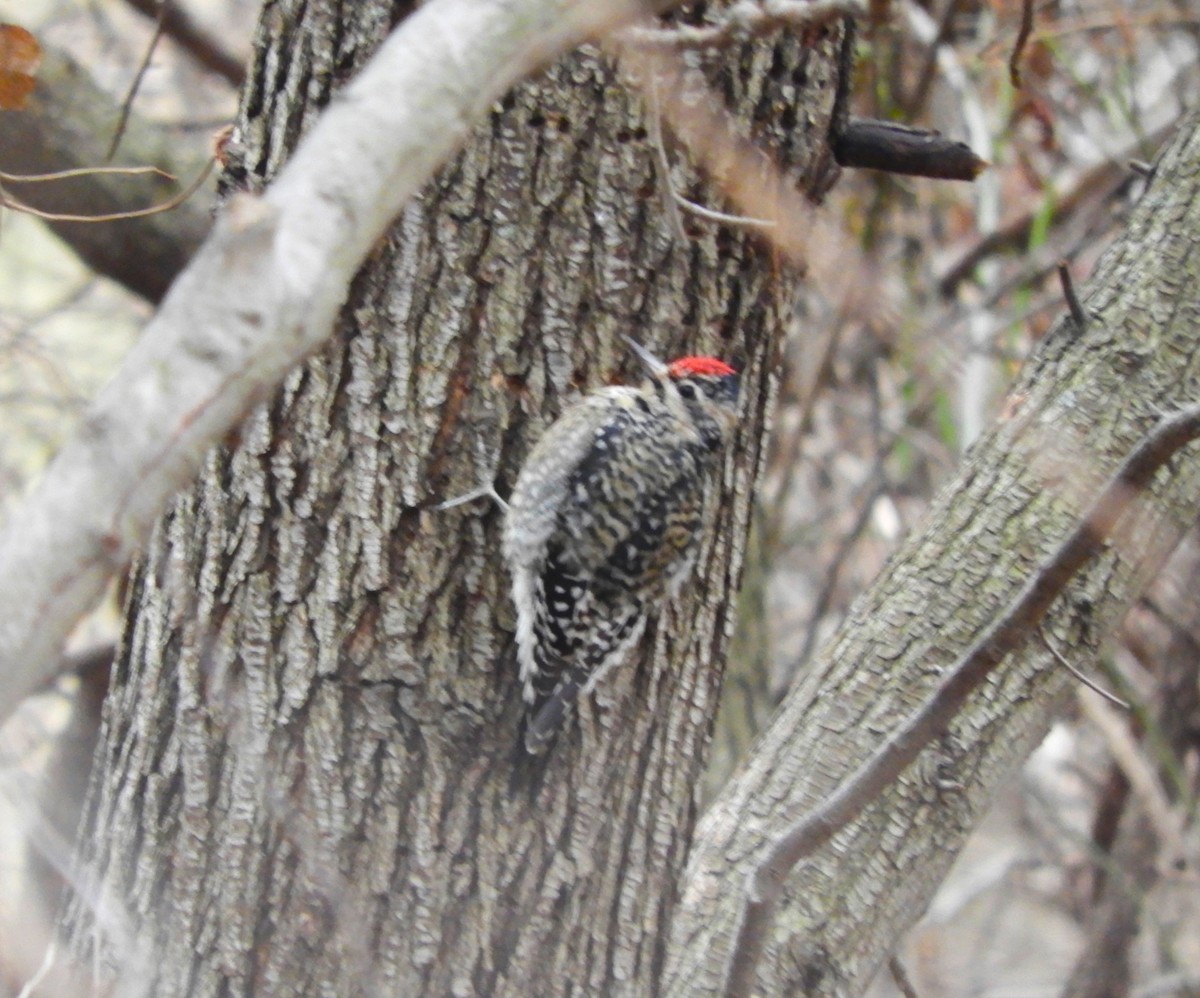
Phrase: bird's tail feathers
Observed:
(543, 721)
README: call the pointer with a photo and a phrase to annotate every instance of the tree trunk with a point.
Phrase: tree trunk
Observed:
(1081, 403)
(310, 779)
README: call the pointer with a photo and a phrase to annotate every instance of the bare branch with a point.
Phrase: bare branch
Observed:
(85, 171)
(193, 39)
(814, 829)
(1167, 823)
(1023, 33)
(1097, 185)
(1072, 298)
(136, 84)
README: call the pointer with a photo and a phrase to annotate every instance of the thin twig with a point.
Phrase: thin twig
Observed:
(745, 20)
(31, 986)
(1087, 681)
(482, 492)
(8, 201)
(1147, 787)
(900, 977)
(127, 104)
(765, 882)
(1023, 33)
(83, 171)
(1095, 185)
(1078, 315)
(206, 49)
(677, 200)
(737, 221)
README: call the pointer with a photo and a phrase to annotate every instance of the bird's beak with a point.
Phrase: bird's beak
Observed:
(656, 366)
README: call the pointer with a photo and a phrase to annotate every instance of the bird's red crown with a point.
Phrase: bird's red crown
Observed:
(699, 366)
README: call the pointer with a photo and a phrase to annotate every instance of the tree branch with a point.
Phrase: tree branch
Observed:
(206, 49)
(744, 20)
(936, 714)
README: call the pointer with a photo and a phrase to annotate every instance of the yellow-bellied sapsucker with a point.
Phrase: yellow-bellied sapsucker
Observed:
(604, 524)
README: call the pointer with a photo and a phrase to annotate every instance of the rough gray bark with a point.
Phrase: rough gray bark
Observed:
(1081, 403)
(309, 781)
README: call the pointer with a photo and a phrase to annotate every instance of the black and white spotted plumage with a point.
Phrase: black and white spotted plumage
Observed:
(604, 524)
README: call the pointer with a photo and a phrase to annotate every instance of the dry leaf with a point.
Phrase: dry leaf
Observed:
(20, 55)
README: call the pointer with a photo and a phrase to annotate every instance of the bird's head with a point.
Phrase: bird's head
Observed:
(703, 390)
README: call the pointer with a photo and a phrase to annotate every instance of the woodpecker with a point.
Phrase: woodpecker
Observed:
(604, 525)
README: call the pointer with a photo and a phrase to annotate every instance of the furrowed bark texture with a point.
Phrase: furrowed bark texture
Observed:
(309, 781)
(1082, 402)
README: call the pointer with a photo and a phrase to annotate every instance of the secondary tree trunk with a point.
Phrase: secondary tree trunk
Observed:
(309, 780)
(1080, 405)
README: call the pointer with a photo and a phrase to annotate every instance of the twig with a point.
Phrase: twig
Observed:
(677, 200)
(1140, 774)
(193, 39)
(737, 221)
(1097, 184)
(1087, 681)
(916, 100)
(744, 20)
(8, 201)
(127, 104)
(750, 183)
(900, 977)
(83, 171)
(1023, 33)
(765, 883)
(31, 986)
(482, 492)
(664, 161)
(1078, 315)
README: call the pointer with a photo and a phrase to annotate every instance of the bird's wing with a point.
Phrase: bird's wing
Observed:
(548, 471)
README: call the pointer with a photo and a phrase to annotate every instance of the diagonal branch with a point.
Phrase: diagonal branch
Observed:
(813, 830)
